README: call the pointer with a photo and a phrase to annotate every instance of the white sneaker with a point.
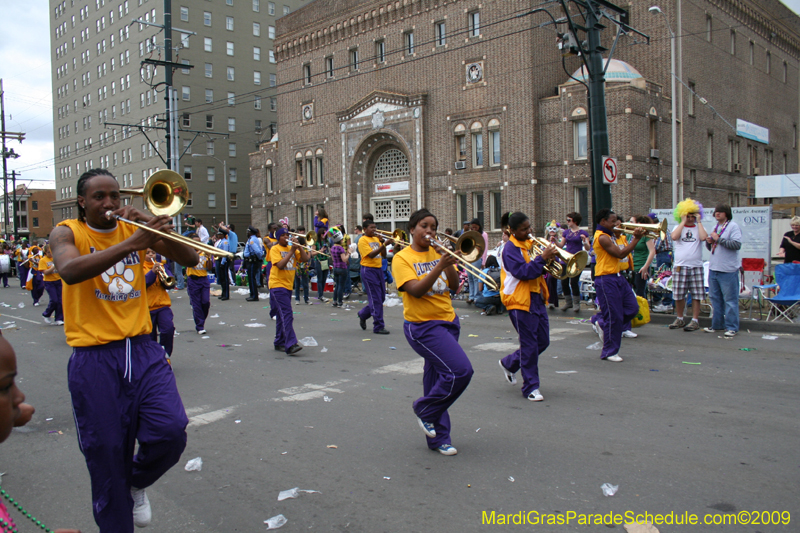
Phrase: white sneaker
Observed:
(59, 322)
(535, 396)
(36, 304)
(510, 377)
(48, 320)
(730, 334)
(142, 515)
(614, 358)
(599, 331)
(201, 332)
(628, 334)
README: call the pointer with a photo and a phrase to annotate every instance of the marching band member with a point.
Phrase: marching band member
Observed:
(431, 326)
(269, 242)
(123, 390)
(35, 275)
(20, 256)
(52, 284)
(617, 302)
(198, 287)
(283, 259)
(524, 292)
(159, 302)
(372, 249)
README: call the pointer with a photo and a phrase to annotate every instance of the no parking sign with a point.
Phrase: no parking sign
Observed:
(609, 170)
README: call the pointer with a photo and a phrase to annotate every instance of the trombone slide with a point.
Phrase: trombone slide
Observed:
(199, 246)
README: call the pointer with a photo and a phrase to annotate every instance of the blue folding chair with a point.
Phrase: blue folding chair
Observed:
(786, 304)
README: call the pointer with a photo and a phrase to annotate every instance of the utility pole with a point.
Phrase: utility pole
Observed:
(14, 175)
(6, 153)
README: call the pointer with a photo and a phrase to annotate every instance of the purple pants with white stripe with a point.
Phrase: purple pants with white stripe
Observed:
(618, 306)
(533, 328)
(374, 284)
(37, 287)
(284, 331)
(273, 311)
(447, 372)
(53, 289)
(199, 299)
(124, 392)
(163, 328)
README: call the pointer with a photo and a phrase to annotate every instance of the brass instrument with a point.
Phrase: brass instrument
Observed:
(654, 231)
(168, 282)
(570, 265)
(310, 237)
(471, 246)
(165, 193)
(399, 236)
(310, 241)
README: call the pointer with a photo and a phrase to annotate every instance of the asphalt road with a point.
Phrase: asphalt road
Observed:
(711, 438)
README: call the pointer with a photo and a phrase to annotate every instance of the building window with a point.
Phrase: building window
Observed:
(258, 126)
(209, 96)
(211, 172)
(752, 52)
(257, 53)
(232, 175)
(269, 178)
(229, 23)
(496, 209)
(439, 29)
(34, 205)
(209, 147)
(754, 170)
(229, 48)
(271, 8)
(582, 201)
(460, 143)
(477, 207)
(477, 144)
(234, 199)
(494, 142)
(693, 180)
(256, 77)
(272, 56)
(733, 42)
(35, 222)
(184, 14)
(271, 32)
(257, 29)
(231, 149)
(769, 62)
(307, 74)
(709, 28)
(408, 39)
(690, 103)
(231, 124)
(329, 66)
(785, 72)
(206, 18)
(710, 150)
(353, 59)
(461, 208)
(231, 98)
(273, 104)
(207, 44)
(653, 133)
(209, 70)
(273, 80)
(474, 23)
(580, 139)
(231, 74)
(320, 175)
(768, 162)
(212, 200)
(187, 120)
(256, 5)
(210, 121)
(185, 93)
(309, 172)
(187, 173)
(286, 10)
(257, 102)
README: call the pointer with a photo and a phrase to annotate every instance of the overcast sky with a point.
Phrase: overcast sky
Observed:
(25, 69)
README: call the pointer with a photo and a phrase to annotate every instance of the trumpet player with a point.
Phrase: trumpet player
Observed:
(372, 249)
(524, 293)
(198, 288)
(52, 284)
(284, 256)
(159, 302)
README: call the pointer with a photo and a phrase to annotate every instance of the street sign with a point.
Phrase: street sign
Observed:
(609, 170)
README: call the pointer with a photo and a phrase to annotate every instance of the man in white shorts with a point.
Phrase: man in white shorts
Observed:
(687, 269)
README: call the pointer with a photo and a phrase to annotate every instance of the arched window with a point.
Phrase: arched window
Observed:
(476, 130)
(460, 136)
(320, 173)
(494, 143)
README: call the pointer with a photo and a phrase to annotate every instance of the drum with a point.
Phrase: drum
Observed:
(5, 264)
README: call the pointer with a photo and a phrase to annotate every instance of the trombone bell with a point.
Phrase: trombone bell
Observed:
(164, 193)
(471, 246)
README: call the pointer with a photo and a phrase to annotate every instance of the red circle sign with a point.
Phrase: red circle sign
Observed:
(609, 170)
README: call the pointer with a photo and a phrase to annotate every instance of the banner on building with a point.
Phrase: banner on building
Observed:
(778, 186)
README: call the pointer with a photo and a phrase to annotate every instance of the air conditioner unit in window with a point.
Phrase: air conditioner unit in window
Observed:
(756, 171)
(461, 165)
(737, 167)
(298, 183)
(654, 153)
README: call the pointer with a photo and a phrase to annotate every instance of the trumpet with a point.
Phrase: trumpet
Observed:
(571, 265)
(165, 193)
(471, 249)
(167, 281)
(399, 236)
(654, 231)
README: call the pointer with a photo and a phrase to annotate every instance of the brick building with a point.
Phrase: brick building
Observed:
(33, 212)
(464, 107)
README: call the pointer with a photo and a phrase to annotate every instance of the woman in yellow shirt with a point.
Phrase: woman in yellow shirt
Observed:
(159, 302)
(281, 279)
(52, 284)
(37, 279)
(424, 279)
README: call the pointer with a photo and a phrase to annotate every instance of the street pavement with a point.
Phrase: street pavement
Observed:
(714, 437)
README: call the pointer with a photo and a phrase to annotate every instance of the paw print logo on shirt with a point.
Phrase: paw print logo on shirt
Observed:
(119, 279)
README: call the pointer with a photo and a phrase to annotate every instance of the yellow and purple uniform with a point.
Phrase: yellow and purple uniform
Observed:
(52, 284)
(410, 265)
(374, 282)
(281, 281)
(198, 287)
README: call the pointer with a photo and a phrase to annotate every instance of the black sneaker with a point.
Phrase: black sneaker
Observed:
(294, 349)
(279, 348)
(363, 323)
(383, 331)
(334, 304)
(491, 310)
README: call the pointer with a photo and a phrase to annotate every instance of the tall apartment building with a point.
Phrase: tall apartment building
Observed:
(226, 101)
(463, 106)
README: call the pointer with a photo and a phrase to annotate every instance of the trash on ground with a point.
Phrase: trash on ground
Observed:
(255, 325)
(747, 349)
(47, 419)
(365, 340)
(392, 348)
(276, 521)
(609, 489)
(644, 527)
(194, 465)
(214, 316)
(327, 398)
(393, 302)
(690, 363)
(284, 453)
(386, 388)
(238, 421)
(596, 346)
(293, 493)
(566, 371)
(332, 446)
(308, 341)
(472, 335)
(205, 337)
(324, 349)
(511, 479)
(21, 305)
(769, 337)
(653, 370)
(386, 477)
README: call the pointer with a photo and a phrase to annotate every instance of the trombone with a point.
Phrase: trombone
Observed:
(471, 249)
(399, 236)
(571, 265)
(165, 193)
(310, 240)
(654, 231)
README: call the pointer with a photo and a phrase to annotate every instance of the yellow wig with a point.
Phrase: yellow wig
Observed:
(686, 207)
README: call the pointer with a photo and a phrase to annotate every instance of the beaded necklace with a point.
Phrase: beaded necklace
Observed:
(11, 527)
(719, 235)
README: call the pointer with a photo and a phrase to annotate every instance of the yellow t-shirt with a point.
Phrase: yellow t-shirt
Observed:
(606, 264)
(367, 245)
(622, 242)
(46, 263)
(282, 278)
(113, 305)
(199, 269)
(267, 248)
(409, 265)
(157, 295)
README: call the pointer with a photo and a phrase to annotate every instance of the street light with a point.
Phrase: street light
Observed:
(224, 180)
(654, 10)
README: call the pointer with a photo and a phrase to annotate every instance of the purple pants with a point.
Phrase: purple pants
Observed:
(53, 289)
(552, 288)
(23, 274)
(618, 306)
(447, 372)
(37, 289)
(199, 299)
(273, 311)
(533, 328)
(164, 327)
(374, 284)
(284, 332)
(5, 279)
(123, 392)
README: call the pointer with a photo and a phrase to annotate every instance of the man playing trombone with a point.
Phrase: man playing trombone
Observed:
(372, 249)
(122, 387)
